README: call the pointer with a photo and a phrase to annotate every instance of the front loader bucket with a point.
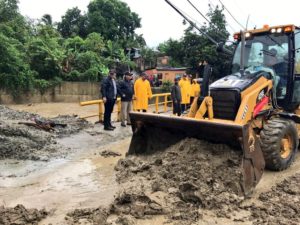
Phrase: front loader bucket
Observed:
(153, 132)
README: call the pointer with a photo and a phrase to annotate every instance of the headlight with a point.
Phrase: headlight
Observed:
(247, 35)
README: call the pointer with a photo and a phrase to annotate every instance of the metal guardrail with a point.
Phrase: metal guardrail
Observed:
(117, 110)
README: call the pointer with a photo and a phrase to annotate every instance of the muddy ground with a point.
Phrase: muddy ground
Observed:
(21, 215)
(80, 175)
(19, 141)
(189, 186)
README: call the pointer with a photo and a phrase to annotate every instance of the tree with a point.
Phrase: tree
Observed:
(175, 50)
(9, 10)
(73, 23)
(47, 19)
(15, 73)
(112, 19)
(195, 47)
(149, 56)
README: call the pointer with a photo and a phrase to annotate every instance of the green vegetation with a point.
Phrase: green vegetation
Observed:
(166, 86)
(83, 46)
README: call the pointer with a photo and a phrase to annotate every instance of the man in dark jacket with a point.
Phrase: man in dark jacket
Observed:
(176, 97)
(206, 76)
(109, 96)
(125, 90)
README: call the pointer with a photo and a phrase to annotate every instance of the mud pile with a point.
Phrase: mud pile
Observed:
(19, 141)
(87, 216)
(190, 182)
(19, 215)
(191, 175)
(281, 205)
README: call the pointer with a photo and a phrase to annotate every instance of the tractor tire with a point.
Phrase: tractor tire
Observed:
(279, 143)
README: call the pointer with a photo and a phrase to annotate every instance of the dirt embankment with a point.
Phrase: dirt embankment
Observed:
(19, 141)
(188, 183)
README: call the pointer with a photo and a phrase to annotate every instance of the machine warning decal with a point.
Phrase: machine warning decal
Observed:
(245, 112)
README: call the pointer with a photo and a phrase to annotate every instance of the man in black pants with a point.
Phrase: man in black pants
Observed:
(109, 96)
(176, 98)
(206, 76)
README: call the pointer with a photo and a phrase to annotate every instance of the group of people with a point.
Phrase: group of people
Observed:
(140, 91)
(185, 89)
(183, 93)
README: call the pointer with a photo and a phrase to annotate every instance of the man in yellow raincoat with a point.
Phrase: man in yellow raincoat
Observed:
(185, 88)
(142, 92)
(195, 90)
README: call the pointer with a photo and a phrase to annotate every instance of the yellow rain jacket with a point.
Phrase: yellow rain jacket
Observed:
(142, 92)
(195, 90)
(185, 88)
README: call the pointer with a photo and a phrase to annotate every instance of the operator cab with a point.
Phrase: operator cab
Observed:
(272, 50)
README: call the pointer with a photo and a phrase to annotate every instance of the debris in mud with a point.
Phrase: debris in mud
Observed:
(47, 125)
(108, 153)
(19, 141)
(93, 216)
(19, 215)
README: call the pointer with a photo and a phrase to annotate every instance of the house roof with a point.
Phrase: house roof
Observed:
(171, 68)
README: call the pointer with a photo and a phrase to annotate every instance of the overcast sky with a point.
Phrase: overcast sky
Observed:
(160, 22)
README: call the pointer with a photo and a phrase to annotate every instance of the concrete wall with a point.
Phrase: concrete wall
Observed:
(65, 92)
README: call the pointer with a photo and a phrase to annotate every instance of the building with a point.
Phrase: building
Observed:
(169, 73)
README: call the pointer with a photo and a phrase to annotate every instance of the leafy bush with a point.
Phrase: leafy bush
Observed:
(166, 86)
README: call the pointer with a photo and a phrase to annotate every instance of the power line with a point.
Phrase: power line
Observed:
(195, 26)
(185, 16)
(229, 25)
(198, 11)
(223, 35)
(232, 15)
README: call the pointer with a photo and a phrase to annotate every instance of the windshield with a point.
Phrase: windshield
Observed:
(262, 51)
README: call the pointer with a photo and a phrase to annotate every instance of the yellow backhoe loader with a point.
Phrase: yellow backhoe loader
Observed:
(257, 105)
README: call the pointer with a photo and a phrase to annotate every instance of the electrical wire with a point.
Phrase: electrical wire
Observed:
(232, 15)
(195, 26)
(228, 24)
(223, 35)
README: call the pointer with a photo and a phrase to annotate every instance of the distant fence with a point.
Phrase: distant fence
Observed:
(159, 100)
(64, 92)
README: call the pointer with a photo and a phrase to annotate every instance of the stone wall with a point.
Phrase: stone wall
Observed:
(65, 92)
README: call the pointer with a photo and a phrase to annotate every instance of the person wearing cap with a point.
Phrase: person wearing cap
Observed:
(109, 96)
(184, 85)
(142, 92)
(176, 97)
(126, 91)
